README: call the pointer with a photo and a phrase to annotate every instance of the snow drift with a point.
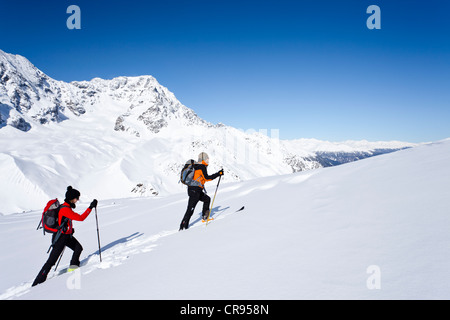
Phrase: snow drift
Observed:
(317, 234)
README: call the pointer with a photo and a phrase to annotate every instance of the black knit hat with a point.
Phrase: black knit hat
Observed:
(72, 194)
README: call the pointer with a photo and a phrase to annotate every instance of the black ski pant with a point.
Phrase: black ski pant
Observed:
(196, 194)
(63, 241)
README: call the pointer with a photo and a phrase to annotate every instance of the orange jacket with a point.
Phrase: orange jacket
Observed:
(201, 174)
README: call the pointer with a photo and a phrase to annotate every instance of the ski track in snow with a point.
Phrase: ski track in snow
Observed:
(115, 253)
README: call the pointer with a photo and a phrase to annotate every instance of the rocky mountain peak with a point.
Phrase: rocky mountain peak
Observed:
(28, 97)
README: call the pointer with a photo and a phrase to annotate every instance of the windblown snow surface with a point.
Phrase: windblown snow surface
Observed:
(372, 229)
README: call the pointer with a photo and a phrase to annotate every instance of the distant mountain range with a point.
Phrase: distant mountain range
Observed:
(129, 136)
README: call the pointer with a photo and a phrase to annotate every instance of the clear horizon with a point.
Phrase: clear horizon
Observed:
(309, 69)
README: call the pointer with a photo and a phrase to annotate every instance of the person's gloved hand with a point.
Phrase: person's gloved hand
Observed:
(221, 173)
(93, 204)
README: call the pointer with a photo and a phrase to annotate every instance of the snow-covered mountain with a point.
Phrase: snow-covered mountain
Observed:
(126, 137)
(371, 229)
(28, 97)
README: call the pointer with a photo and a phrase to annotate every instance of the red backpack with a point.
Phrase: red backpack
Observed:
(49, 218)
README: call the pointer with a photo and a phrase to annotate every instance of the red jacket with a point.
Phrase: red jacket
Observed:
(66, 211)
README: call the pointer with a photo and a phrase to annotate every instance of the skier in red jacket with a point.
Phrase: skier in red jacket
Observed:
(66, 238)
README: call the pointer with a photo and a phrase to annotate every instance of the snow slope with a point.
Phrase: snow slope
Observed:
(307, 235)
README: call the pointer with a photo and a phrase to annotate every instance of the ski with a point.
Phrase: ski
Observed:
(211, 218)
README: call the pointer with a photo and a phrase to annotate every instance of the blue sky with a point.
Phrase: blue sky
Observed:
(311, 69)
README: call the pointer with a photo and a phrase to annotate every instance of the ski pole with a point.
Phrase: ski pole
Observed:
(58, 234)
(213, 201)
(39, 225)
(98, 236)
(60, 257)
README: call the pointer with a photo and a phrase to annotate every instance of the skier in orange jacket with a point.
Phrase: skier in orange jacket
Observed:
(197, 193)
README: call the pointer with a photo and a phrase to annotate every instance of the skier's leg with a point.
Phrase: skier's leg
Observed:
(73, 244)
(206, 203)
(53, 257)
(193, 200)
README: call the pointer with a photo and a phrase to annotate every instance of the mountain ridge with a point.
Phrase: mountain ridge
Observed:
(129, 136)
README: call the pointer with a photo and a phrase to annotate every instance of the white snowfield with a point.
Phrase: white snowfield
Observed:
(372, 229)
